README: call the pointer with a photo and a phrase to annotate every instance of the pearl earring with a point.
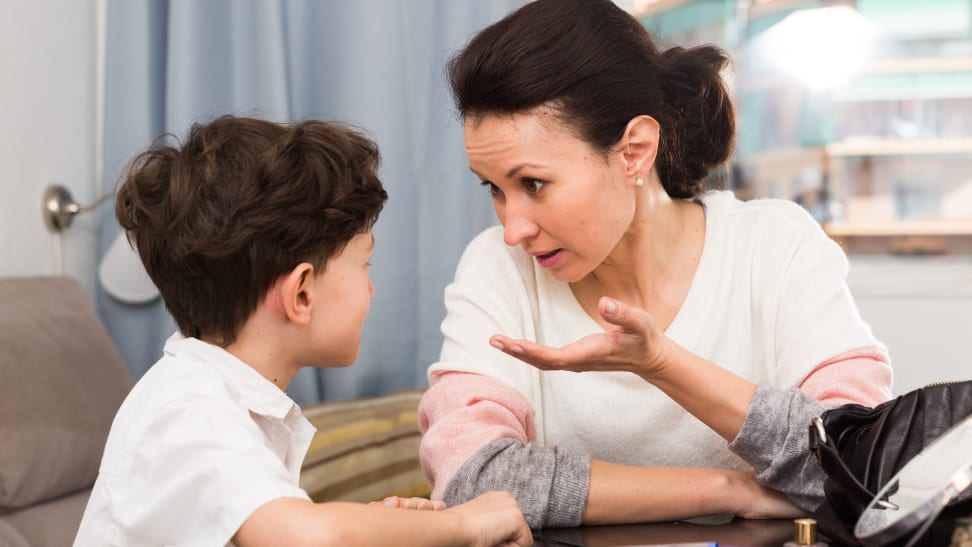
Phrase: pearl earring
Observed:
(640, 181)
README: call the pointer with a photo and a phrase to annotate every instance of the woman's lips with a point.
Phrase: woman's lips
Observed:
(549, 259)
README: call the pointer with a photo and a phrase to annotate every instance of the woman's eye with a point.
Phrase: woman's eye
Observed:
(533, 185)
(493, 189)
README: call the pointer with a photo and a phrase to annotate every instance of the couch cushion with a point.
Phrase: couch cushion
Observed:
(365, 449)
(10, 537)
(63, 381)
(53, 523)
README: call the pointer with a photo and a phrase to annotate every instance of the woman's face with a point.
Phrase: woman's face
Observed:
(563, 202)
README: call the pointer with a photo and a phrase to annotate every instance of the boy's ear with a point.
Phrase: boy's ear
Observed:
(640, 145)
(296, 294)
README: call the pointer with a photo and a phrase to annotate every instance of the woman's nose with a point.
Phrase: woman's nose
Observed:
(518, 225)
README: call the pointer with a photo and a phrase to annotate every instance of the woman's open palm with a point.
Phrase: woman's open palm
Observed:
(633, 343)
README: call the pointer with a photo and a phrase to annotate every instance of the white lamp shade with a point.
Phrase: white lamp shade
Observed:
(123, 276)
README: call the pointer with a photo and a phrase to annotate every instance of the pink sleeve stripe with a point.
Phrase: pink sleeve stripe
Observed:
(861, 376)
(462, 412)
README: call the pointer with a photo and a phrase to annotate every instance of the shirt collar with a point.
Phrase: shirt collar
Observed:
(253, 390)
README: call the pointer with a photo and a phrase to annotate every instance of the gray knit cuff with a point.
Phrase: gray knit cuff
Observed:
(774, 439)
(568, 492)
(549, 484)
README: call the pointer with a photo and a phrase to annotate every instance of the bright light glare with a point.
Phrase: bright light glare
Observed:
(821, 47)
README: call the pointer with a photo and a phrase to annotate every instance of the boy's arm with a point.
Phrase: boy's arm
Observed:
(491, 519)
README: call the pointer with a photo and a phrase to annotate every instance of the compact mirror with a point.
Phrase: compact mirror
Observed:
(915, 496)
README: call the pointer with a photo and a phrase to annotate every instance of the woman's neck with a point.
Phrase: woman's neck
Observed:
(654, 263)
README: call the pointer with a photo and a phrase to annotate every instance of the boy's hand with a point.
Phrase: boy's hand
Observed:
(492, 519)
(419, 504)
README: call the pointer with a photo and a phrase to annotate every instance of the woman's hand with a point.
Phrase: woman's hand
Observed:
(633, 343)
(419, 504)
(760, 502)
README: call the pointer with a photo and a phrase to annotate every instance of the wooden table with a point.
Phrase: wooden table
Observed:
(733, 533)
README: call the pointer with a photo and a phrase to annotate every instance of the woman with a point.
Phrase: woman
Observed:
(627, 347)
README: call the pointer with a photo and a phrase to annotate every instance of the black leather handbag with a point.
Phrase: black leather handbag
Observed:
(862, 448)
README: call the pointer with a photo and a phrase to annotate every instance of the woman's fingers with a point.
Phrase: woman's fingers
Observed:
(588, 353)
(631, 344)
(629, 319)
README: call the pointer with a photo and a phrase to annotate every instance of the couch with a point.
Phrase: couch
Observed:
(62, 380)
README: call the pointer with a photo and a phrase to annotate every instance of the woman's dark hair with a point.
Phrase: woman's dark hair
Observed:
(241, 202)
(598, 68)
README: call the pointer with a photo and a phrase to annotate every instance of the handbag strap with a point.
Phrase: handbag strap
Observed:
(835, 467)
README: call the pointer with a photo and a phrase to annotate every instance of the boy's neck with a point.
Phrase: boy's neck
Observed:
(264, 362)
(266, 349)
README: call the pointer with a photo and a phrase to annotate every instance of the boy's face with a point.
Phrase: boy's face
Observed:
(344, 293)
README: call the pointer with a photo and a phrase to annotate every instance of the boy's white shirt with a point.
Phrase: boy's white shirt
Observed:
(199, 444)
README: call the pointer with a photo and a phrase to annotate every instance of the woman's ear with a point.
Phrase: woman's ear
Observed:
(295, 293)
(640, 140)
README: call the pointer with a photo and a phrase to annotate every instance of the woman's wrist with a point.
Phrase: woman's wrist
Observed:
(729, 491)
(660, 363)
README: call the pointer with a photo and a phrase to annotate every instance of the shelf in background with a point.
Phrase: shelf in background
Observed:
(783, 156)
(919, 64)
(887, 147)
(900, 228)
(863, 147)
(907, 237)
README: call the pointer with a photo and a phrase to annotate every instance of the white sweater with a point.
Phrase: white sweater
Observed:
(769, 302)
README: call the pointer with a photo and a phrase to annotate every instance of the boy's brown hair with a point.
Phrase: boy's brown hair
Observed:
(218, 219)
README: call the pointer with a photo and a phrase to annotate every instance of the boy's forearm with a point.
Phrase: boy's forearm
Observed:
(378, 525)
(627, 494)
(301, 523)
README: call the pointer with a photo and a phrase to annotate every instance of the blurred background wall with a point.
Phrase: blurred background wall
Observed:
(861, 111)
(880, 152)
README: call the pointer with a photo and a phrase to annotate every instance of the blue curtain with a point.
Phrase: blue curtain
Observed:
(376, 64)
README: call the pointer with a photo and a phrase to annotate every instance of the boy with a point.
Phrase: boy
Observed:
(258, 236)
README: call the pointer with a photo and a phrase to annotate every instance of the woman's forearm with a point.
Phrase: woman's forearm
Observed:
(625, 494)
(717, 397)
(621, 494)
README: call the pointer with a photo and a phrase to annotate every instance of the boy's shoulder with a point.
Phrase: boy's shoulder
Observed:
(170, 394)
(192, 373)
(188, 427)
(172, 381)
(195, 379)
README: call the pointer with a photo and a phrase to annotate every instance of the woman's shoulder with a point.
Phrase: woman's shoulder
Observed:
(780, 216)
(489, 241)
(488, 253)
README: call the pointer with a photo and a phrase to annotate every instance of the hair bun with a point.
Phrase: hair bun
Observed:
(700, 112)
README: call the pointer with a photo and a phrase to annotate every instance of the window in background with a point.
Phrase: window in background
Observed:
(859, 110)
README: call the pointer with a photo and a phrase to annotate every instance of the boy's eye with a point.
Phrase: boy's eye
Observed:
(533, 185)
(493, 189)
